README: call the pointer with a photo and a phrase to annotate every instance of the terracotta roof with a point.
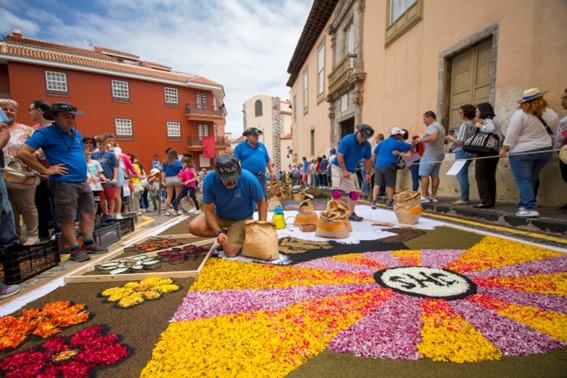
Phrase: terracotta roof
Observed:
(112, 61)
(320, 13)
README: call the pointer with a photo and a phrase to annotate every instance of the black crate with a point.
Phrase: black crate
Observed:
(27, 262)
(126, 223)
(104, 235)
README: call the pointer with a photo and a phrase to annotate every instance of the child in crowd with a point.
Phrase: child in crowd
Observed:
(95, 176)
(153, 187)
(189, 178)
(110, 166)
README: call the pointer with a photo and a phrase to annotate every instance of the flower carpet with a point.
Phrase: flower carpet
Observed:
(433, 302)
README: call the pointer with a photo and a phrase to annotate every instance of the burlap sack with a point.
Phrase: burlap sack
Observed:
(306, 214)
(286, 193)
(260, 240)
(333, 221)
(273, 202)
(407, 207)
(275, 189)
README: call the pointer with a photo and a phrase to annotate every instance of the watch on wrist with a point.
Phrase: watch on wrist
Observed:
(219, 231)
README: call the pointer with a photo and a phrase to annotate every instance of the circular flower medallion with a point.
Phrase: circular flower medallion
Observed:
(427, 282)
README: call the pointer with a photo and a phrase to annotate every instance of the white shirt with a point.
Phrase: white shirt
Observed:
(527, 133)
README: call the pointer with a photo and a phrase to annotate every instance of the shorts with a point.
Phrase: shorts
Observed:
(96, 195)
(70, 198)
(430, 165)
(346, 184)
(173, 181)
(109, 193)
(385, 176)
(235, 229)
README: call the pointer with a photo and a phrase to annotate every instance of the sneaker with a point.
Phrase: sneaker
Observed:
(433, 199)
(179, 212)
(170, 212)
(31, 241)
(8, 290)
(93, 249)
(118, 216)
(373, 204)
(106, 218)
(196, 212)
(425, 199)
(389, 204)
(525, 213)
(79, 255)
(354, 218)
(460, 202)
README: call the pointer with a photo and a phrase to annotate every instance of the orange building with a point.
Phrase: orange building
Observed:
(146, 105)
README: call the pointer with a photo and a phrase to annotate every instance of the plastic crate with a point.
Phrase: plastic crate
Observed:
(126, 223)
(27, 262)
(104, 235)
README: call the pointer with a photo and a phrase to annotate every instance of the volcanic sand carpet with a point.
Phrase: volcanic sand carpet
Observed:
(140, 327)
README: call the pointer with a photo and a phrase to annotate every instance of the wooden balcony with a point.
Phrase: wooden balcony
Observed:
(342, 73)
(200, 113)
(194, 142)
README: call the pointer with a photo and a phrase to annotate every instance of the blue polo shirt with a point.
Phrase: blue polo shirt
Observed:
(353, 152)
(254, 159)
(233, 204)
(108, 162)
(171, 170)
(61, 147)
(384, 150)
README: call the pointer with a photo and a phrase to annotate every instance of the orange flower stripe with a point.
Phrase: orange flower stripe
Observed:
(446, 336)
(545, 321)
(359, 259)
(554, 284)
(492, 252)
(409, 257)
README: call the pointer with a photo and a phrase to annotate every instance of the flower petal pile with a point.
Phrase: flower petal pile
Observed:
(266, 320)
(135, 293)
(43, 322)
(56, 357)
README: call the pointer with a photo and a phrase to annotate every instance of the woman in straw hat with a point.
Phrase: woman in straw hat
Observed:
(529, 140)
(561, 142)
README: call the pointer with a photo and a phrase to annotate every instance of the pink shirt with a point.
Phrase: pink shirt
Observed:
(188, 174)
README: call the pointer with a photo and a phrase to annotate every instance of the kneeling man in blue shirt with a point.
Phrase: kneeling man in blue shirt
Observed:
(230, 197)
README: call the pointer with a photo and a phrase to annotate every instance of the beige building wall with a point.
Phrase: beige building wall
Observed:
(413, 73)
(275, 123)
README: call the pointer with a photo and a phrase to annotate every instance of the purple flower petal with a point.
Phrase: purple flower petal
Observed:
(328, 263)
(438, 258)
(208, 304)
(548, 266)
(511, 337)
(543, 301)
(384, 258)
(391, 331)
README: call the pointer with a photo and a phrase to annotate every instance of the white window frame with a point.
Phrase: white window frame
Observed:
(123, 128)
(171, 95)
(56, 81)
(203, 130)
(398, 8)
(173, 129)
(201, 100)
(120, 89)
(321, 69)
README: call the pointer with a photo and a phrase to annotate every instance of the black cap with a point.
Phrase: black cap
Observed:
(227, 167)
(252, 130)
(365, 130)
(61, 107)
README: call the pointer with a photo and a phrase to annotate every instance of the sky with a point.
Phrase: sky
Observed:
(245, 45)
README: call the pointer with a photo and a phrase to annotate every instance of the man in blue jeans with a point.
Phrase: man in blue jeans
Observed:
(9, 240)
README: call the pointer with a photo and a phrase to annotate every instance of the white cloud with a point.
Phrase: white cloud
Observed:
(246, 45)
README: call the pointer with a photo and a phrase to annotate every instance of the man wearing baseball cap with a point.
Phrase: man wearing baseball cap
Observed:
(352, 149)
(254, 157)
(385, 158)
(230, 196)
(63, 147)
